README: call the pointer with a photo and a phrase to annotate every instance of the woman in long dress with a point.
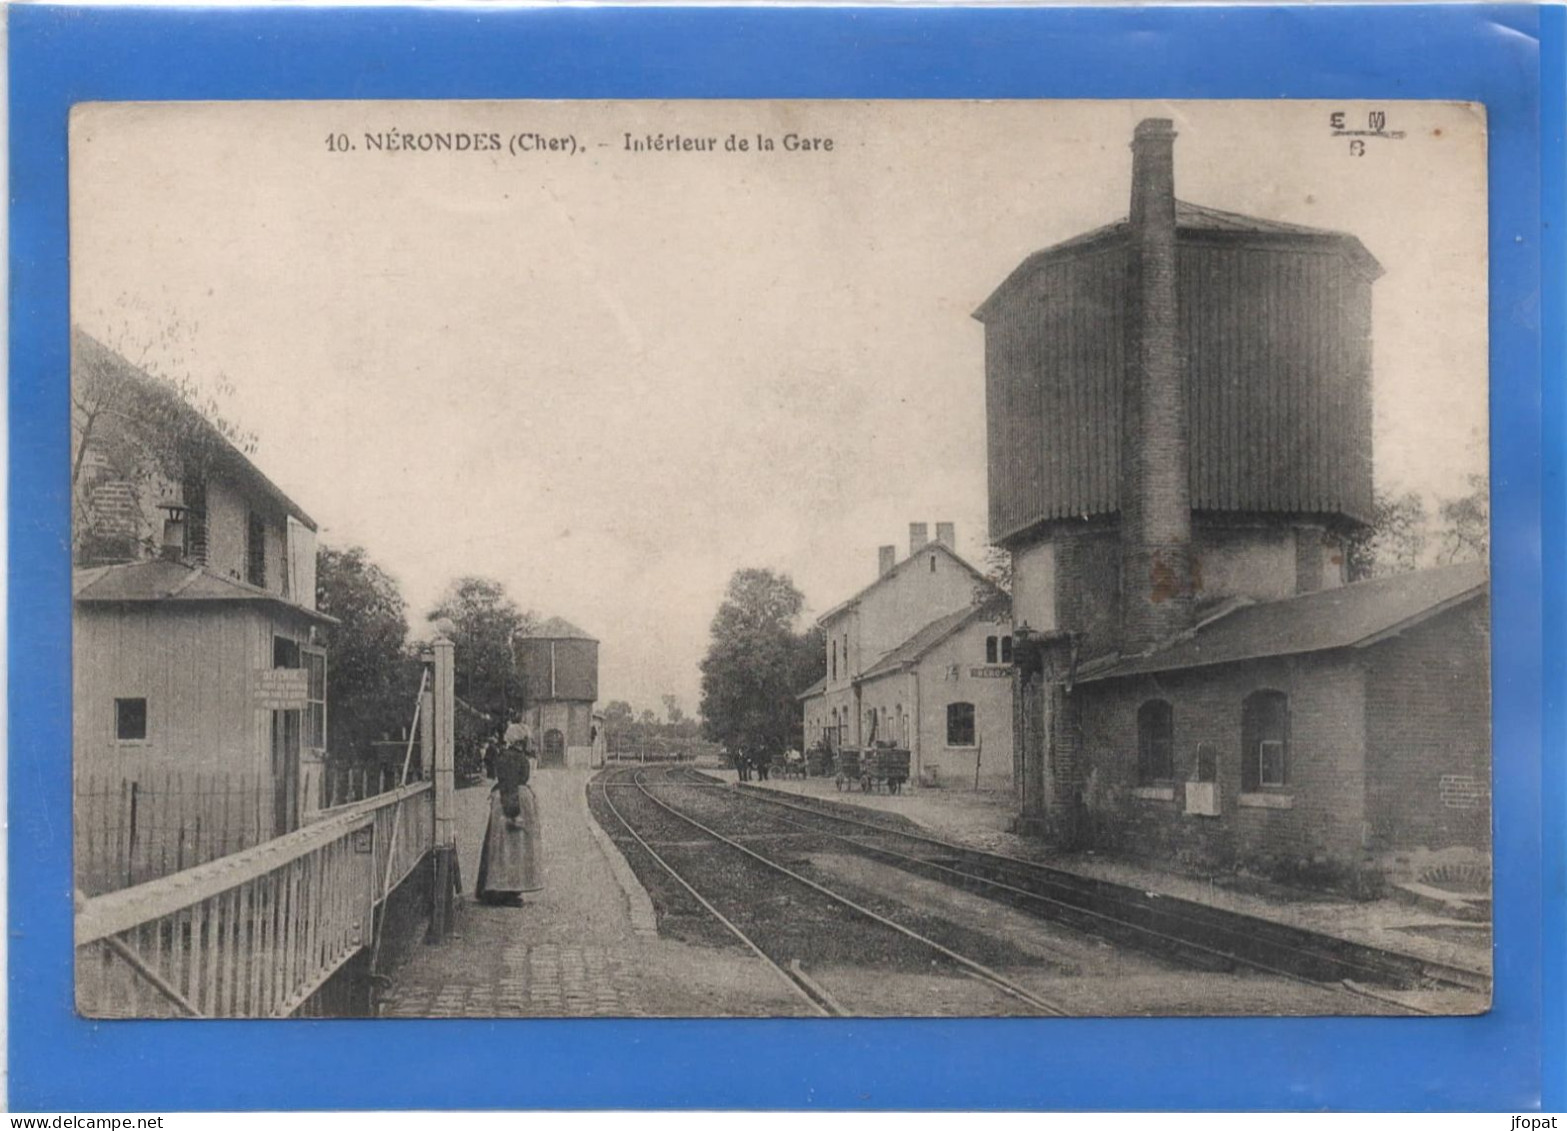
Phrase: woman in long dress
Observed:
(509, 862)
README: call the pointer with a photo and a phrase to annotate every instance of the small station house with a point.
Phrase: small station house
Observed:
(200, 661)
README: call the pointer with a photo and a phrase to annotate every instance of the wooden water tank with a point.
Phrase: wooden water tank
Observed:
(558, 661)
(1275, 343)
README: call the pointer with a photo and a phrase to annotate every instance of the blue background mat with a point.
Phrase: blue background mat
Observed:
(1501, 55)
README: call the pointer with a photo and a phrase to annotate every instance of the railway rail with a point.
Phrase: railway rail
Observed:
(790, 970)
(1196, 934)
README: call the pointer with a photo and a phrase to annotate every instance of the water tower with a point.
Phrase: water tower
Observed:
(1179, 409)
(560, 668)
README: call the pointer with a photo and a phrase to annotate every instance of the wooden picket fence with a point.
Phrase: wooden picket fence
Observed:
(129, 830)
(258, 932)
(345, 784)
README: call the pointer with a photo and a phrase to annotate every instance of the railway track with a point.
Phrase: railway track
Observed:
(790, 970)
(1194, 934)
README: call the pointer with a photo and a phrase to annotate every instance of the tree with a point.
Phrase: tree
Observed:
(756, 664)
(137, 433)
(1466, 533)
(1395, 540)
(808, 664)
(484, 621)
(672, 711)
(998, 567)
(371, 679)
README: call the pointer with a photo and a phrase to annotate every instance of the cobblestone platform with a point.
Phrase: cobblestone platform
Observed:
(583, 947)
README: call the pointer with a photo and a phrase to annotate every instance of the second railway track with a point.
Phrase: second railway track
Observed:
(1193, 933)
(800, 928)
(782, 878)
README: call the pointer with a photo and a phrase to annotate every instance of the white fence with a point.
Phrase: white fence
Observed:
(257, 932)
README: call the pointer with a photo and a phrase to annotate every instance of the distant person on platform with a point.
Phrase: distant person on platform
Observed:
(509, 863)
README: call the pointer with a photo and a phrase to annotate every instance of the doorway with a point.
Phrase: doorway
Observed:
(285, 772)
(554, 749)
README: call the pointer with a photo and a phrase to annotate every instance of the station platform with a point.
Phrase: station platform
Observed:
(980, 819)
(586, 946)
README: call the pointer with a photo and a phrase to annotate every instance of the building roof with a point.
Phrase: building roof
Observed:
(1352, 616)
(910, 651)
(234, 462)
(558, 628)
(172, 583)
(1195, 219)
(815, 689)
(897, 569)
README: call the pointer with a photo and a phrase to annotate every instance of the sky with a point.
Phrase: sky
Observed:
(609, 377)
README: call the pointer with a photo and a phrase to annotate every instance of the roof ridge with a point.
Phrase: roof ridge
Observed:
(162, 386)
(933, 544)
(1346, 616)
(1227, 607)
(190, 579)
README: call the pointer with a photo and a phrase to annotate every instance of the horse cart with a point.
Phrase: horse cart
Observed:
(848, 769)
(883, 768)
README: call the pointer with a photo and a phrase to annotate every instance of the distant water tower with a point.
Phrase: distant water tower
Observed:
(560, 667)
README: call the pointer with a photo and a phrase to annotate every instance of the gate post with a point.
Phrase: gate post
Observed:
(443, 758)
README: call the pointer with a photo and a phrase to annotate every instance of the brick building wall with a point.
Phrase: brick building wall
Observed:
(1088, 595)
(1429, 735)
(1317, 817)
(115, 525)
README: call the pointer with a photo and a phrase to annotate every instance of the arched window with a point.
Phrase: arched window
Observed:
(554, 748)
(1155, 742)
(1006, 649)
(990, 649)
(960, 724)
(1265, 740)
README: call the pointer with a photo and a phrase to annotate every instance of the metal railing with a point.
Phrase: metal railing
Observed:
(134, 828)
(255, 933)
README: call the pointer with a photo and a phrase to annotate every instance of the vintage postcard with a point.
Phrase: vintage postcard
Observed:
(771, 558)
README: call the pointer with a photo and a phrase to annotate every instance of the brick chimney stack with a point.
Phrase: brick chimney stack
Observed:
(1156, 517)
(947, 535)
(919, 535)
(886, 558)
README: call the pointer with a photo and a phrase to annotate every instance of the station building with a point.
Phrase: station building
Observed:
(921, 658)
(1179, 426)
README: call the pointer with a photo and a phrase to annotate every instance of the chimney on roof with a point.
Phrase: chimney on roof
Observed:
(886, 558)
(918, 535)
(947, 535)
(1156, 517)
